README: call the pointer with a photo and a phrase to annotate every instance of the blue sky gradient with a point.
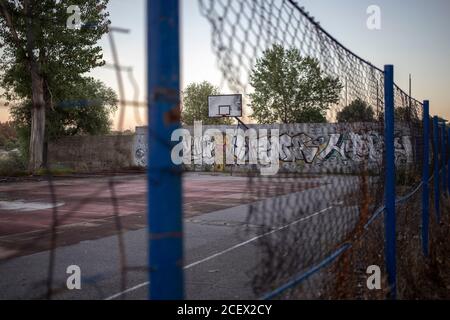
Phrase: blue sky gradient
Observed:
(414, 37)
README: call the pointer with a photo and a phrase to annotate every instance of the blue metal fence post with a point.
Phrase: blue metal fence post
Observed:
(443, 158)
(448, 161)
(436, 168)
(164, 178)
(426, 177)
(389, 189)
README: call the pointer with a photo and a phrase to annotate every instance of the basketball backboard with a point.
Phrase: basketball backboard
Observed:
(229, 105)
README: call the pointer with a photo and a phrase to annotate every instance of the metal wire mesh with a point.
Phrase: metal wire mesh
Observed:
(53, 234)
(112, 182)
(321, 217)
(326, 197)
(243, 30)
(408, 115)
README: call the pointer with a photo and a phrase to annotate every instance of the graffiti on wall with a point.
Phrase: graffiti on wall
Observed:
(302, 145)
(140, 147)
(343, 148)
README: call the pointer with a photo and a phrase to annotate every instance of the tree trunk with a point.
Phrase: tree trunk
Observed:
(36, 152)
(37, 122)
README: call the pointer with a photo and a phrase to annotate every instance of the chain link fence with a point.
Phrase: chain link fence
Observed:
(322, 217)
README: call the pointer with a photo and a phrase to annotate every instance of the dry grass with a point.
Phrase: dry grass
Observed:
(418, 278)
(430, 278)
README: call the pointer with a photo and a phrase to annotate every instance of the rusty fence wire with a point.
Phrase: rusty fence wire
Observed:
(320, 218)
(322, 215)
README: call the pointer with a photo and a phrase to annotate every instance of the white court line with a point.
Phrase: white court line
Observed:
(225, 251)
(69, 225)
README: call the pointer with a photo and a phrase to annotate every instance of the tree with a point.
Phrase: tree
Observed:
(8, 135)
(195, 104)
(84, 109)
(40, 52)
(290, 88)
(357, 111)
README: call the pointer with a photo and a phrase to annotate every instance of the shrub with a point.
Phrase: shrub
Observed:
(13, 165)
(8, 136)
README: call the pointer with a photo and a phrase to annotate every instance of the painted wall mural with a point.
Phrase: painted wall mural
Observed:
(308, 147)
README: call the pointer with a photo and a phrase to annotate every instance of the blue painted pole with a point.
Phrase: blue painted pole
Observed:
(425, 178)
(389, 189)
(448, 161)
(443, 158)
(436, 168)
(164, 178)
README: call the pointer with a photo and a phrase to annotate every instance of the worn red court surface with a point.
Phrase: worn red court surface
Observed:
(94, 207)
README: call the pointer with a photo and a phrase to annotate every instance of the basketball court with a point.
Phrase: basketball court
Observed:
(86, 208)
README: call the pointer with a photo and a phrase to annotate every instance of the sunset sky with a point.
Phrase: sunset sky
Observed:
(413, 37)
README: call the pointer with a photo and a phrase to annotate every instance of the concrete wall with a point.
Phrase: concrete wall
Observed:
(303, 147)
(140, 147)
(316, 148)
(92, 153)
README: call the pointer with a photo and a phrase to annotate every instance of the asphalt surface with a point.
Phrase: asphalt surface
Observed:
(221, 250)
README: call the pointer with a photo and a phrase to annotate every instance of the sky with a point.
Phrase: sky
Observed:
(413, 37)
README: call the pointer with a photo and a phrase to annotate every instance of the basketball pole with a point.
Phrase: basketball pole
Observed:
(240, 122)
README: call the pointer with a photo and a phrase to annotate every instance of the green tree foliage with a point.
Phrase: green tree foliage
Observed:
(195, 104)
(8, 135)
(41, 57)
(85, 109)
(63, 54)
(357, 111)
(290, 88)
